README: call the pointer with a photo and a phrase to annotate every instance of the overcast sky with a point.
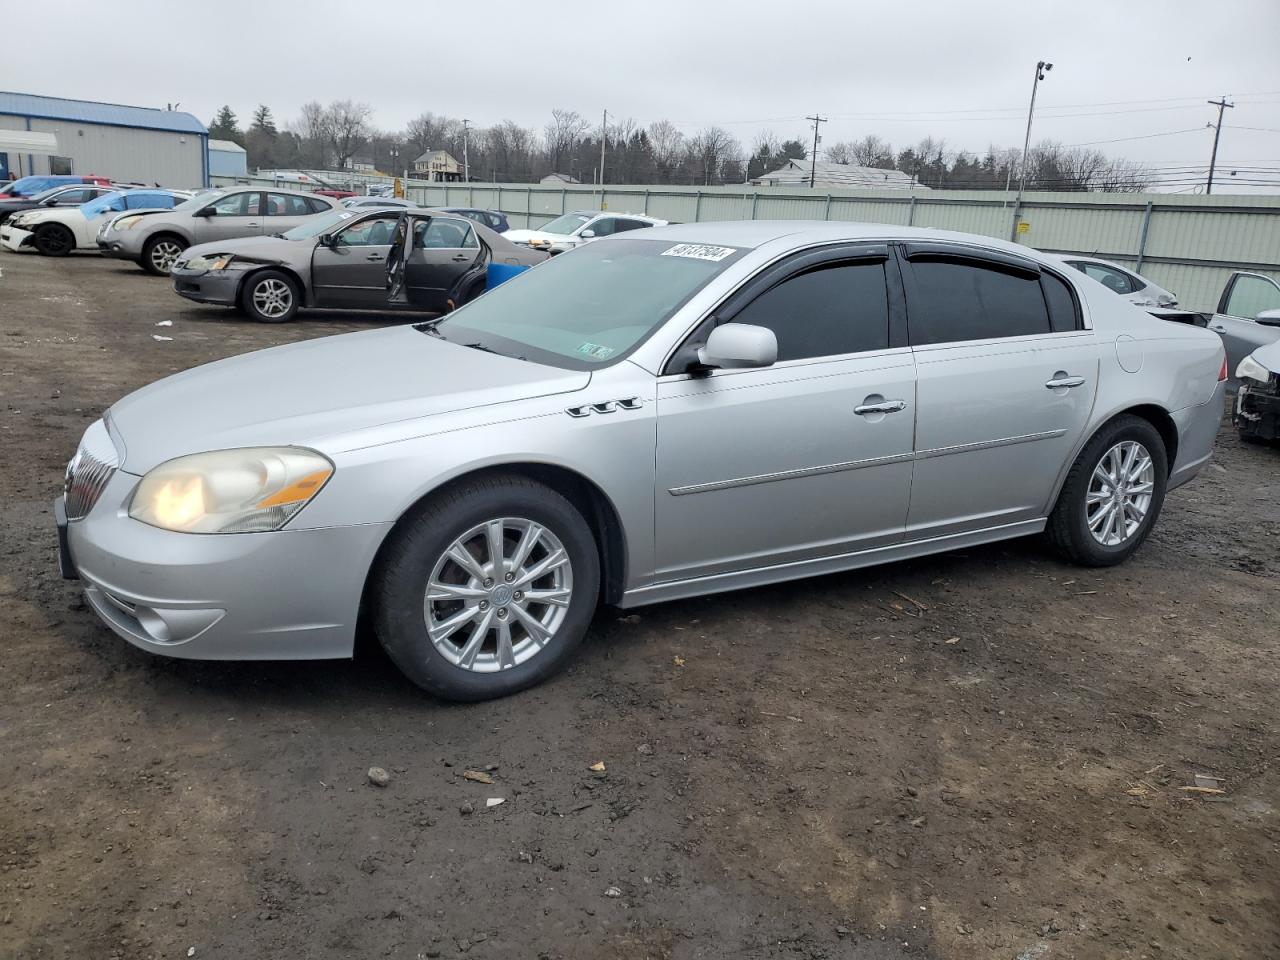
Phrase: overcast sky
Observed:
(953, 69)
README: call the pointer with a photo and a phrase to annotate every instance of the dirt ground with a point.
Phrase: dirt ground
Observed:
(969, 756)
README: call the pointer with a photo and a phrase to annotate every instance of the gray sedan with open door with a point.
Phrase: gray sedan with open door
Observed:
(339, 260)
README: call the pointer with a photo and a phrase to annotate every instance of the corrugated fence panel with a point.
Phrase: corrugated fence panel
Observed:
(989, 220)
(1082, 230)
(871, 211)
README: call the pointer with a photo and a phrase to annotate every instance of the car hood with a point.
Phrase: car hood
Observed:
(524, 236)
(302, 393)
(140, 213)
(55, 214)
(267, 249)
(1268, 356)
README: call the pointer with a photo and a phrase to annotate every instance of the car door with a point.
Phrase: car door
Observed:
(285, 211)
(1245, 296)
(807, 458)
(351, 270)
(231, 216)
(1006, 376)
(443, 250)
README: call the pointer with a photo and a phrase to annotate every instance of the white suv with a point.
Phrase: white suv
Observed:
(570, 230)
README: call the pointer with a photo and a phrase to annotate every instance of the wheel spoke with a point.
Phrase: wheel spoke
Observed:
(454, 591)
(1100, 474)
(1141, 489)
(559, 598)
(467, 656)
(450, 625)
(1096, 497)
(532, 534)
(539, 633)
(497, 558)
(506, 653)
(463, 558)
(544, 566)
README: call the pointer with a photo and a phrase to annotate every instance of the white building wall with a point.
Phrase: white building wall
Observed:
(122, 153)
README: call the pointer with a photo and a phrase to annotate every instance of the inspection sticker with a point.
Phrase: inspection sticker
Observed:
(594, 350)
(699, 251)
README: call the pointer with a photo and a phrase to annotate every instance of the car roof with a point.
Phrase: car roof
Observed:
(800, 233)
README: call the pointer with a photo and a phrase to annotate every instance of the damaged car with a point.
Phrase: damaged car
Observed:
(1256, 414)
(57, 231)
(338, 260)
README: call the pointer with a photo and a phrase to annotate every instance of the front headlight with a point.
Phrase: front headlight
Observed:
(217, 261)
(126, 223)
(230, 491)
(1251, 369)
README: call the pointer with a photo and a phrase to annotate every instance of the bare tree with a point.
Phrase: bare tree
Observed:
(871, 151)
(349, 128)
(841, 152)
(563, 134)
(710, 150)
(313, 131)
(665, 146)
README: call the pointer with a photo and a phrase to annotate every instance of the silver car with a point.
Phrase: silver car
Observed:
(339, 259)
(680, 411)
(1137, 290)
(154, 239)
(1248, 315)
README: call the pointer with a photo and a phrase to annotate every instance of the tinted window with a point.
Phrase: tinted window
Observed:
(494, 221)
(832, 310)
(602, 227)
(961, 301)
(1250, 296)
(1063, 312)
(629, 225)
(1113, 280)
(316, 206)
(287, 205)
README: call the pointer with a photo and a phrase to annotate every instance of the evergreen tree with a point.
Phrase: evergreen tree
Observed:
(263, 121)
(226, 127)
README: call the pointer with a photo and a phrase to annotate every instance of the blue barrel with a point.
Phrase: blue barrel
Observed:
(501, 273)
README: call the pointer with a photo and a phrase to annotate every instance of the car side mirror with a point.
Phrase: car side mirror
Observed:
(326, 239)
(207, 212)
(1269, 318)
(587, 234)
(735, 345)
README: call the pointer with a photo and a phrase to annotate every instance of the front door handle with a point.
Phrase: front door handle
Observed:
(884, 406)
(374, 258)
(1058, 382)
(253, 224)
(1217, 328)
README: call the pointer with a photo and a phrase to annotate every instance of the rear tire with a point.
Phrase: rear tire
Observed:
(53, 240)
(472, 629)
(1112, 496)
(270, 296)
(160, 253)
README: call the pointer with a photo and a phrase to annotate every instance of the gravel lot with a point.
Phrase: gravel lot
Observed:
(974, 755)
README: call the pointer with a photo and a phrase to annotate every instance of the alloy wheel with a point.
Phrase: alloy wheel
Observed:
(272, 298)
(1120, 492)
(164, 254)
(498, 594)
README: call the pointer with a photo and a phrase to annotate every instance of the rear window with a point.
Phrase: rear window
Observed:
(955, 301)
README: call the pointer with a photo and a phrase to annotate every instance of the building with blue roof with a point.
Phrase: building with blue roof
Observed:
(52, 135)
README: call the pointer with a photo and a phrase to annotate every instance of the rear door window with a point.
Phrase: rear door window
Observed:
(951, 301)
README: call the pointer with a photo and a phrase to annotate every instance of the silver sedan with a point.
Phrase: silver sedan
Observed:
(681, 411)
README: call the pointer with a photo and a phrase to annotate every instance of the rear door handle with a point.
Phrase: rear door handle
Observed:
(1217, 328)
(461, 258)
(885, 406)
(1059, 382)
(374, 257)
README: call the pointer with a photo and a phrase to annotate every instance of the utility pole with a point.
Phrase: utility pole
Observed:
(813, 160)
(466, 163)
(1213, 159)
(604, 138)
(1041, 69)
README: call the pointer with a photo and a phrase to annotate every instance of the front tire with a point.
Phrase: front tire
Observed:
(159, 254)
(53, 240)
(1112, 495)
(486, 589)
(271, 296)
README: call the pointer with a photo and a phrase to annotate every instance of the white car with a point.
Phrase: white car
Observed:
(571, 230)
(1139, 291)
(56, 231)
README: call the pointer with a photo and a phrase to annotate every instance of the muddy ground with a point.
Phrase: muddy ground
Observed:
(969, 756)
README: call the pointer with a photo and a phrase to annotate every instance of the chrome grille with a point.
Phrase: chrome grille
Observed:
(89, 471)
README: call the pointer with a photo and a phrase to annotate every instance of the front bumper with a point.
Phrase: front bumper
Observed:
(1257, 411)
(207, 286)
(120, 245)
(287, 595)
(15, 239)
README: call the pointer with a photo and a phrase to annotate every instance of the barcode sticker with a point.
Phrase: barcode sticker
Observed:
(699, 251)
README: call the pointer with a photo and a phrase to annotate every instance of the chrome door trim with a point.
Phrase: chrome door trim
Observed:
(861, 464)
(988, 444)
(788, 474)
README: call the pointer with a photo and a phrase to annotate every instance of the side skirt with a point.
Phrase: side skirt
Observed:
(761, 576)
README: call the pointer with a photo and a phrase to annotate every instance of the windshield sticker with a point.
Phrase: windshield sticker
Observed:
(700, 251)
(594, 350)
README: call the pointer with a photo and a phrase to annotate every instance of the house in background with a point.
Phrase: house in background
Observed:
(554, 178)
(438, 165)
(827, 174)
(227, 159)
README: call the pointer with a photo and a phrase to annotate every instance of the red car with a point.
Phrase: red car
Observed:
(337, 194)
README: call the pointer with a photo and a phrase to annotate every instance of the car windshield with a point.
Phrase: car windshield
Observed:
(108, 201)
(202, 199)
(318, 225)
(566, 224)
(590, 307)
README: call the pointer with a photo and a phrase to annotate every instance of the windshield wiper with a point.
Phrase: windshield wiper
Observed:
(278, 236)
(481, 346)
